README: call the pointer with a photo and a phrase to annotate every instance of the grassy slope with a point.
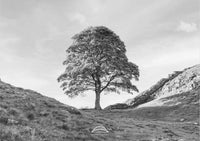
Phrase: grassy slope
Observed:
(160, 123)
(185, 105)
(178, 81)
(26, 115)
(149, 94)
(149, 124)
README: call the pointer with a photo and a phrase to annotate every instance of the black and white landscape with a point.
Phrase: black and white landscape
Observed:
(99, 70)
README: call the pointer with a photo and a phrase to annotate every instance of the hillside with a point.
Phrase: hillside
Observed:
(177, 89)
(26, 115)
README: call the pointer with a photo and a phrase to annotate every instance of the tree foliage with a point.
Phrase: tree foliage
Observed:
(96, 61)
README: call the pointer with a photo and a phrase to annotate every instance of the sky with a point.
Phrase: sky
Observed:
(161, 36)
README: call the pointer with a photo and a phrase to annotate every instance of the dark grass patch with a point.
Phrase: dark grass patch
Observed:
(30, 116)
(4, 120)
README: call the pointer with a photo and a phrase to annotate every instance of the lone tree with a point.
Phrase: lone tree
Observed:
(96, 61)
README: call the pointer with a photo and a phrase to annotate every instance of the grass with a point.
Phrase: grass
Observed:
(26, 115)
(148, 124)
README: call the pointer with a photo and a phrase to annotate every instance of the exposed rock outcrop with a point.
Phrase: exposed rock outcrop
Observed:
(117, 106)
(177, 83)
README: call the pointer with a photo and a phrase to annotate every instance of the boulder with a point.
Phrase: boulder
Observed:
(99, 130)
(117, 106)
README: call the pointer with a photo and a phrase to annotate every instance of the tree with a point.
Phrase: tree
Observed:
(96, 61)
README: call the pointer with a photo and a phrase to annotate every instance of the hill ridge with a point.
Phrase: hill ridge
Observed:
(188, 77)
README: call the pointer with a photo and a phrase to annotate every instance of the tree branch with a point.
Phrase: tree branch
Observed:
(111, 79)
(93, 77)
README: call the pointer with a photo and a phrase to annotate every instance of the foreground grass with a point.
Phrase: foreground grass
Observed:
(26, 115)
(133, 125)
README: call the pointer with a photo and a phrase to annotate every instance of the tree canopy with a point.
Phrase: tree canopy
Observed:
(96, 61)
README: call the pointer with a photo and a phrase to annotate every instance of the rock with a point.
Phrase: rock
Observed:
(12, 121)
(195, 123)
(117, 106)
(99, 129)
(71, 110)
(182, 119)
(176, 83)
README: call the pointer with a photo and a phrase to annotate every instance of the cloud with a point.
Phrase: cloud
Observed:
(172, 52)
(78, 17)
(174, 58)
(96, 5)
(7, 45)
(24, 79)
(187, 27)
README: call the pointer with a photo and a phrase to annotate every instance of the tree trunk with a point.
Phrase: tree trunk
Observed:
(97, 91)
(97, 101)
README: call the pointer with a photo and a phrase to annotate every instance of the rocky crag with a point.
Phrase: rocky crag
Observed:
(179, 88)
(177, 84)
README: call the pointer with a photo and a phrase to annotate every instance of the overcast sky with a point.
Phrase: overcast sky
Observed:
(161, 36)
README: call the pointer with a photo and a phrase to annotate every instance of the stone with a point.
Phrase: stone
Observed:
(99, 129)
(177, 83)
(195, 123)
(12, 121)
(117, 106)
